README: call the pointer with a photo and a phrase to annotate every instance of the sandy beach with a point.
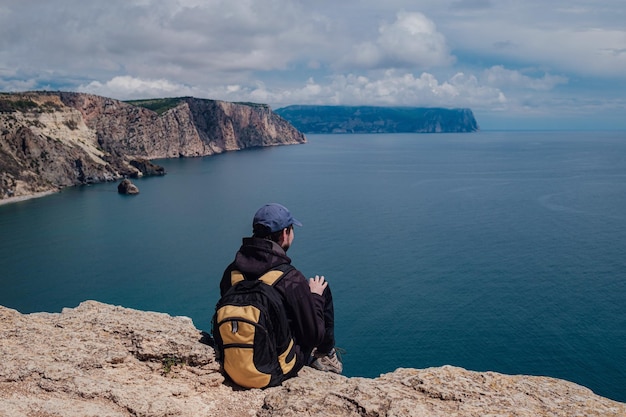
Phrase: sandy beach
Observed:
(25, 197)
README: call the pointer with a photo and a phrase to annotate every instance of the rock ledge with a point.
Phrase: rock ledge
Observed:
(103, 360)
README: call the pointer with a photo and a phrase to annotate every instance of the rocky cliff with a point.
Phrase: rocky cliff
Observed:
(50, 140)
(103, 360)
(372, 119)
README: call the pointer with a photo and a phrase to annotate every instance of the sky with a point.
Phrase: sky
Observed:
(518, 64)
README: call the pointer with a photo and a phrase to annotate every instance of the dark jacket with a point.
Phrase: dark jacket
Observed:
(305, 310)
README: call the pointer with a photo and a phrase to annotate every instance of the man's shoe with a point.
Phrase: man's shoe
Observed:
(328, 362)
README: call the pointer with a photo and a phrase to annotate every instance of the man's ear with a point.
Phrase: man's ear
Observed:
(284, 235)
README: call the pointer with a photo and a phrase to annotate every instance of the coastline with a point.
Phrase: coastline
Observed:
(26, 197)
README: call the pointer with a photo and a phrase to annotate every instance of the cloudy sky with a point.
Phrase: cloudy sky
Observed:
(518, 64)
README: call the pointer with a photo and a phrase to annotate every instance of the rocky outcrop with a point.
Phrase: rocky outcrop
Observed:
(127, 187)
(146, 168)
(372, 119)
(103, 360)
(51, 140)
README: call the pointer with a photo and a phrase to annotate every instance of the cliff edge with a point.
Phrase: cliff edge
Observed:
(103, 360)
(51, 140)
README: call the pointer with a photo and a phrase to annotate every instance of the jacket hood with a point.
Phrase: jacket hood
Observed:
(256, 256)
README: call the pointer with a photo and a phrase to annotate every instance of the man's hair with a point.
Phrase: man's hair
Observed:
(264, 232)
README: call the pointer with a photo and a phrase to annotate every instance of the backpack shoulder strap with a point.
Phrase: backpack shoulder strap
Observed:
(271, 277)
(236, 277)
(274, 275)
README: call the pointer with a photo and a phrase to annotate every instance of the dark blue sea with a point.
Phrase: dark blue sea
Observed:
(500, 251)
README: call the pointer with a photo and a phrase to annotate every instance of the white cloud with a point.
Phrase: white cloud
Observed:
(181, 40)
(472, 4)
(563, 41)
(484, 54)
(496, 89)
(126, 88)
(498, 76)
(393, 88)
(18, 85)
(411, 41)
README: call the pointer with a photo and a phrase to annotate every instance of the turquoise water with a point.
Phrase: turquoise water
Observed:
(501, 251)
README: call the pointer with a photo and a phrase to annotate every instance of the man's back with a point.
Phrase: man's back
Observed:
(305, 310)
(308, 304)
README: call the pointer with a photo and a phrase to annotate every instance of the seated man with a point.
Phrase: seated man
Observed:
(309, 305)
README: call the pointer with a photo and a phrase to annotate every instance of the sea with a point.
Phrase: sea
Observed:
(498, 251)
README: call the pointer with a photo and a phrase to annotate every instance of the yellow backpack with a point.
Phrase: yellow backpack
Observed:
(251, 331)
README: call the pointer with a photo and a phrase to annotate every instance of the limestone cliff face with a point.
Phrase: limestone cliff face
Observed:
(103, 360)
(52, 140)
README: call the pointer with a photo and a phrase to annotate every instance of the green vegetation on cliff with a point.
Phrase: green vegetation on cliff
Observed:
(161, 105)
(15, 102)
(158, 105)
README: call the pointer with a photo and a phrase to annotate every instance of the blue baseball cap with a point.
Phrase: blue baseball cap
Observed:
(275, 216)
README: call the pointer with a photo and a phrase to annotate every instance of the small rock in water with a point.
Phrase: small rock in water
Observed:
(127, 187)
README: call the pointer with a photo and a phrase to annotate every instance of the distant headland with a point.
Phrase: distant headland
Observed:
(371, 119)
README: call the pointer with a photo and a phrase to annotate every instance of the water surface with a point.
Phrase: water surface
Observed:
(500, 251)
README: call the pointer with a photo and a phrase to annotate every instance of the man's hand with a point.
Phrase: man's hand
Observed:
(317, 285)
